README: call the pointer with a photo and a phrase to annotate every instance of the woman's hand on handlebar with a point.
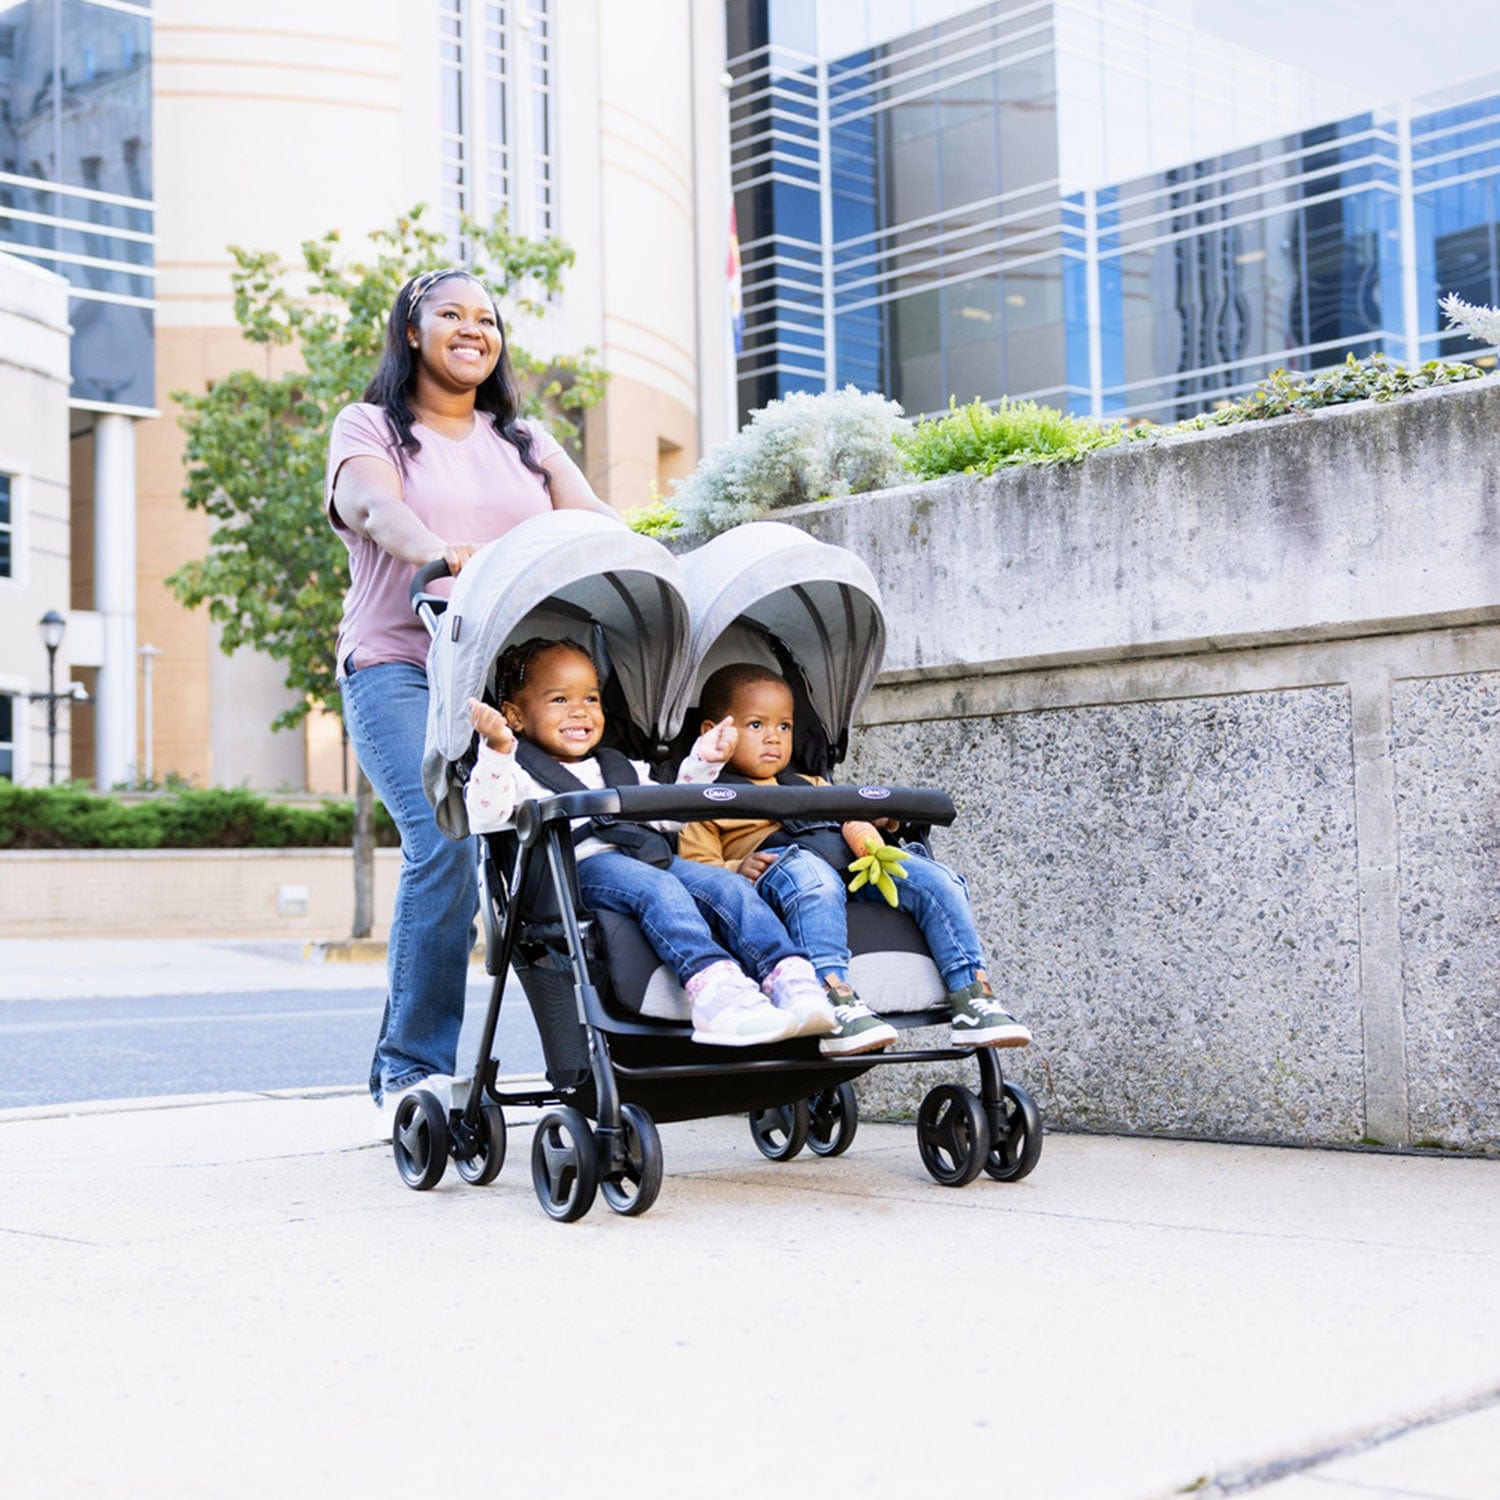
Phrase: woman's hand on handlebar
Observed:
(489, 724)
(457, 555)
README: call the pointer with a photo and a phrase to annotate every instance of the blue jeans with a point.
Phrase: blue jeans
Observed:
(808, 894)
(385, 711)
(675, 907)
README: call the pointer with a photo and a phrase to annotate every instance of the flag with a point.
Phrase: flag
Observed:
(736, 290)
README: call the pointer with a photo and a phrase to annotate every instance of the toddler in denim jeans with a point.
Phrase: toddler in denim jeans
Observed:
(800, 870)
(550, 717)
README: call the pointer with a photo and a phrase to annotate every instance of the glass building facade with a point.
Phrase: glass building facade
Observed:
(907, 226)
(75, 180)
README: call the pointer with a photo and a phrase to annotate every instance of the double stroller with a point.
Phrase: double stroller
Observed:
(614, 1024)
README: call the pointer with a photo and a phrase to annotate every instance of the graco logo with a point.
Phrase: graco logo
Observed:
(720, 793)
(875, 793)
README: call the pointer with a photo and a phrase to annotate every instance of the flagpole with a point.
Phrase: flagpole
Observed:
(734, 288)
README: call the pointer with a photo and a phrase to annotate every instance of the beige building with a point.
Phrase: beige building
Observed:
(600, 122)
(34, 334)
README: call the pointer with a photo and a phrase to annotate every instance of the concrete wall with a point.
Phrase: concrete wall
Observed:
(1220, 717)
(188, 893)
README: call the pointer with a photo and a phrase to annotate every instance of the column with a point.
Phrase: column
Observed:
(114, 597)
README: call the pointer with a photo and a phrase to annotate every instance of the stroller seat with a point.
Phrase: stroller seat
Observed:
(891, 969)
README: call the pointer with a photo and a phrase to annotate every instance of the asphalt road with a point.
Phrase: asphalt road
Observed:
(69, 1051)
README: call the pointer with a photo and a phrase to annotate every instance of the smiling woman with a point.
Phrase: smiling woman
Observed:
(433, 463)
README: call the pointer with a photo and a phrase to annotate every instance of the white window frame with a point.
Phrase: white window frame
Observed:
(20, 727)
(20, 508)
(517, 151)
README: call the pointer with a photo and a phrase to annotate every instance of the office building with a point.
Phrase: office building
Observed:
(1093, 203)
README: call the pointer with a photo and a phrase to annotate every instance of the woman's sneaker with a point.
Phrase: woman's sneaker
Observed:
(859, 1028)
(979, 1022)
(729, 1011)
(793, 988)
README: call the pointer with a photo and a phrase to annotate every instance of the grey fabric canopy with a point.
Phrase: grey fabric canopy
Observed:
(820, 601)
(567, 574)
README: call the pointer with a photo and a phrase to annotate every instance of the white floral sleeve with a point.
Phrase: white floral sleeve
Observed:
(493, 790)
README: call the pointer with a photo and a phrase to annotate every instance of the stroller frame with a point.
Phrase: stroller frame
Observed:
(959, 1135)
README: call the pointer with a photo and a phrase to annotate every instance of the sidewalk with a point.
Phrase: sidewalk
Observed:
(238, 1298)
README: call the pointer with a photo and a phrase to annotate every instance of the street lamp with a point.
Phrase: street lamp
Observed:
(52, 626)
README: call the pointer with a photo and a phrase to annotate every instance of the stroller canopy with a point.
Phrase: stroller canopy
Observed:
(568, 574)
(767, 585)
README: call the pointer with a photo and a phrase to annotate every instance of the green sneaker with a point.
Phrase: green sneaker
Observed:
(859, 1028)
(979, 1022)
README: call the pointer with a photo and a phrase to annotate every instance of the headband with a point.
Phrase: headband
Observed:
(424, 283)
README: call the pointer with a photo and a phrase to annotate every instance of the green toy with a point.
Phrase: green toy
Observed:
(876, 866)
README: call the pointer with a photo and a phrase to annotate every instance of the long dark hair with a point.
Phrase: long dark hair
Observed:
(395, 377)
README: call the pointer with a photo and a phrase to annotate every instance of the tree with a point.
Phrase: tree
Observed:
(275, 575)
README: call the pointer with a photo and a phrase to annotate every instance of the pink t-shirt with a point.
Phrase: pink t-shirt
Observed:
(469, 489)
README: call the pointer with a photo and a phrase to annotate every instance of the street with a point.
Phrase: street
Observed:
(72, 1049)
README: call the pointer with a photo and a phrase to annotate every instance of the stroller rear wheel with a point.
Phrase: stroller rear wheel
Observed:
(834, 1115)
(1018, 1146)
(483, 1167)
(564, 1164)
(419, 1140)
(781, 1130)
(953, 1135)
(633, 1189)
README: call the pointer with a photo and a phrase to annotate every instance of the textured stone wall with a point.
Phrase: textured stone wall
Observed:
(1447, 760)
(1222, 722)
(1169, 893)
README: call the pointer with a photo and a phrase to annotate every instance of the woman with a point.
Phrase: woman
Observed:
(432, 464)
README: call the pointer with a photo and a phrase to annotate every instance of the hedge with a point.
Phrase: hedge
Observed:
(72, 817)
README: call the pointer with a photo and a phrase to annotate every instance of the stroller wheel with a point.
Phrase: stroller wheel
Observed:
(564, 1164)
(1018, 1139)
(953, 1135)
(834, 1115)
(419, 1140)
(781, 1130)
(633, 1189)
(483, 1167)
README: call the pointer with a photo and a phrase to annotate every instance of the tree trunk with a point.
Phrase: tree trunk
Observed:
(364, 855)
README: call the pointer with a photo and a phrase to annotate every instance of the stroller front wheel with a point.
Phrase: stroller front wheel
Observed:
(483, 1166)
(633, 1189)
(953, 1135)
(1018, 1146)
(834, 1115)
(564, 1164)
(419, 1140)
(781, 1130)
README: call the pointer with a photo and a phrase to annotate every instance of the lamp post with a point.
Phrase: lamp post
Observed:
(52, 626)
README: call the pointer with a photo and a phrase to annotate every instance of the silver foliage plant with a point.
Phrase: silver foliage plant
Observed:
(803, 447)
(1480, 323)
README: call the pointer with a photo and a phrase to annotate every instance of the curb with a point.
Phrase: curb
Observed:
(362, 951)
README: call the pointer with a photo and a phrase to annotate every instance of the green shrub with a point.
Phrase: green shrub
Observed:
(656, 518)
(978, 439)
(71, 817)
(803, 447)
(1378, 378)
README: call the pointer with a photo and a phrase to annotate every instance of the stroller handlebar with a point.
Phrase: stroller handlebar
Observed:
(698, 804)
(427, 606)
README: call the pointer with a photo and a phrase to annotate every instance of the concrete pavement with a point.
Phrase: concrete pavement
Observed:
(237, 1297)
(233, 1295)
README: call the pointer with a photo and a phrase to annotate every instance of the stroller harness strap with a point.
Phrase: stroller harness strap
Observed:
(819, 836)
(645, 844)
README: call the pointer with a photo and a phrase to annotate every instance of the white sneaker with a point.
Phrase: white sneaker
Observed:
(439, 1085)
(729, 1011)
(793, 987)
